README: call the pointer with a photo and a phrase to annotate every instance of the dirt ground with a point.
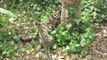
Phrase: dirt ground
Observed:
(99, 46)
(97, 50)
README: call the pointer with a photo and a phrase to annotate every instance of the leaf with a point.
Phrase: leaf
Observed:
(83, 42)
(54, 46)
(67, 48)
(30, 48)
(69, 26)
(1, 25)
(94, 14)
(7, 12)
(77, 21)
(53, 32)
(73, 48)
(16, 38)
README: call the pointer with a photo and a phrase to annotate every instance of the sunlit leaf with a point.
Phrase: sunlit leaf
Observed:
(30, 48)
(7, 12)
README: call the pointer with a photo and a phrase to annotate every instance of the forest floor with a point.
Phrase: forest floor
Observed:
(97, 49)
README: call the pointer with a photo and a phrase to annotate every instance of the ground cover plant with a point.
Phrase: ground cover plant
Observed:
(18, 17)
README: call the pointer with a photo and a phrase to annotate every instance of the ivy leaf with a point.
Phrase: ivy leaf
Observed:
(54, 46)
(30, 48)
(73, 48)
(53, 32)
(69, 26)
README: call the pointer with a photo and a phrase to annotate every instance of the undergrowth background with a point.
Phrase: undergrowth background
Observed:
(18, 17)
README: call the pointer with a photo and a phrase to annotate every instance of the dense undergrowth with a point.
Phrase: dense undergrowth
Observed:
(19, 17)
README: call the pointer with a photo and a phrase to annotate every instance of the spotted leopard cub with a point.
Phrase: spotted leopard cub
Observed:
(45, 38)
(53, 20)
(49, 26)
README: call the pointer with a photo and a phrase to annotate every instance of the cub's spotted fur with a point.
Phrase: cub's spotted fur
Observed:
(53, 20)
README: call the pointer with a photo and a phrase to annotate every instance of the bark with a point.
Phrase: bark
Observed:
(64, 9)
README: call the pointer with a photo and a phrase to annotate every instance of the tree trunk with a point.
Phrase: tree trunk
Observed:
(64, 9)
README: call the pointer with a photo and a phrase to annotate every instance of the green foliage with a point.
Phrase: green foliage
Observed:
(71, 39)
(16, 15)
(6, 49)
(2, 21)
(6, 45)
(95, 9)
(30, 48)
(7, 12)
(77, 38)
(27, 11)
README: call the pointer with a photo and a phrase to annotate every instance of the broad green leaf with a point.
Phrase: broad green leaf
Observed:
(30, 48)
(7, 12)
(54, 46)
